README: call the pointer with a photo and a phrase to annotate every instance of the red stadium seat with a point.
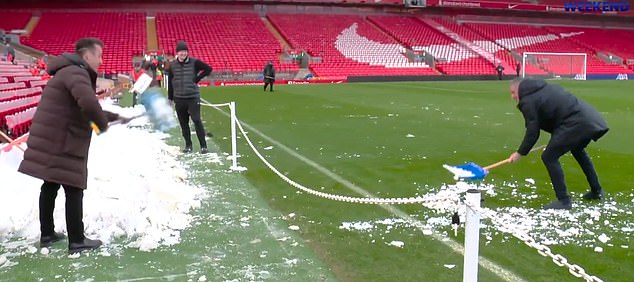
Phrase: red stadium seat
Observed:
(367, 50)
(239, 42)
(123, 34)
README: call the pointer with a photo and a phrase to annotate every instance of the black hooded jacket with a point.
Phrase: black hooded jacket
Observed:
(269, 71)
(549, 107)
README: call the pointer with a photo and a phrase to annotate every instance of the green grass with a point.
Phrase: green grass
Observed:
(358, 131)
(235, 236)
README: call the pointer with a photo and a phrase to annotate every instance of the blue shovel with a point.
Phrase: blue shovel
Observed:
(157, 108)
(472, 171)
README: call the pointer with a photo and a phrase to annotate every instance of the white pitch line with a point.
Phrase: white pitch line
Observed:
(416, 86)
(168, 277)
(455, 246)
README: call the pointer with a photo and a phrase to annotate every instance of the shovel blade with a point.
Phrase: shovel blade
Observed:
(478, 172)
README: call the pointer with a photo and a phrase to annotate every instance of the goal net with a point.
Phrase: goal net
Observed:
(554, 65)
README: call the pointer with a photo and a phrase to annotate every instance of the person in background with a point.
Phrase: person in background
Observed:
(137, 71)
(572, 124)
(11, 54)
(184, 74)
(159, 76)
(499, 69)
(151, 69)
(34, 70)
(269, 75)
(517, 69)
(41, 64)
(60, 138)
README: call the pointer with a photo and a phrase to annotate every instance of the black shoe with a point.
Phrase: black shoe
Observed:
(204, 151)
(87, 244)
(559, 205)
(46, 241)
(209, 134)
(188, 149)
(592, 195)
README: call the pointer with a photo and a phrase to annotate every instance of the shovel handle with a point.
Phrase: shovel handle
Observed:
(505, 161)
(497, 164)
(11, 141)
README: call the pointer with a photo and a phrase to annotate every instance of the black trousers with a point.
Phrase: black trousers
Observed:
(267, 82)
(551, 156)
(499, 76)
(74, 211)
(186, 108)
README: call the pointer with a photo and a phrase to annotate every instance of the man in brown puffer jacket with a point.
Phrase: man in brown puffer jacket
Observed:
(60, 138)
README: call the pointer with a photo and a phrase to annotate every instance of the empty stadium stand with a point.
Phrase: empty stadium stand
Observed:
(348, 46)
(18, 98)
(527, 38)
(123, 35)
(452, 58)
(500, 54)
(354, 2)
(239, 40)
(236, 41)
(10, 20)
(610, 41)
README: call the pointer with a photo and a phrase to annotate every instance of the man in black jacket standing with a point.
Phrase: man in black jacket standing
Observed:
(183, 76)
(269, 75)
(499, 69)
(517, 69)
(572, 124)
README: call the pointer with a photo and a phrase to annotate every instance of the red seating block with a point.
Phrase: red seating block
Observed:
(320, 40)
(10, 20)
(123, 35)
(239, 42)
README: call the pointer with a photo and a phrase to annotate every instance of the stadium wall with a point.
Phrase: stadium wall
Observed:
(618, 76)
(424, 78)
(468, 77)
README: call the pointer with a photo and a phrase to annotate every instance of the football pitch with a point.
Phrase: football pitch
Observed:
(384, 140)
(391, 139)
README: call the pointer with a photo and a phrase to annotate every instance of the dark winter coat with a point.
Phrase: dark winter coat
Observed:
(269, 71)
(183, 78)
(60, 134)
(549, 107)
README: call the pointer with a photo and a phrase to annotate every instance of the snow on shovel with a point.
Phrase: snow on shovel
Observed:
(157, 108)
(472, 171)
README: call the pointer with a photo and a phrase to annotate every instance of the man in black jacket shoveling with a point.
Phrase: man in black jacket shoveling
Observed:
(572, 124)
(184, 74)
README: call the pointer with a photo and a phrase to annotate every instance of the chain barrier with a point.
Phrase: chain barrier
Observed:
(543, 250)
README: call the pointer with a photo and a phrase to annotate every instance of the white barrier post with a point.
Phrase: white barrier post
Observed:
(472, 237)
(234, 143)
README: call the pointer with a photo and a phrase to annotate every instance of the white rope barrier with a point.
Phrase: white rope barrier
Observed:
(234, 135)
(349, 199)
(474, 211)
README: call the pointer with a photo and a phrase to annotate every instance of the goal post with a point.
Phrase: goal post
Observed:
(554, 65)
